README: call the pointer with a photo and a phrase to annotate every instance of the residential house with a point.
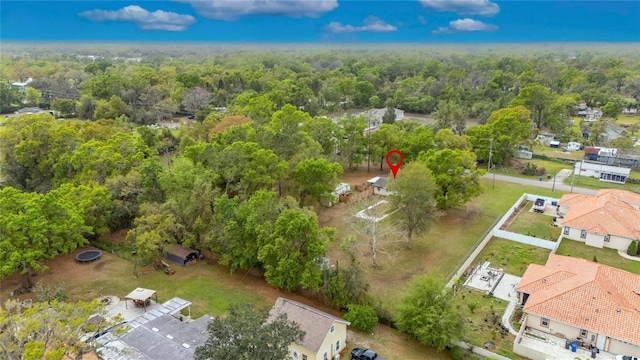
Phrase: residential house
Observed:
(574, 146)
(22, 86)
(612, 156)
(161, 333)
(326, 335)
(609, 219)
(380, 186)
(603, 172)
(585, 302)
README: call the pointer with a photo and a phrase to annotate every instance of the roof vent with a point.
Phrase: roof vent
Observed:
(544, 281)
(618, 310)
(637, 292)
(169, 337)
(597, 311)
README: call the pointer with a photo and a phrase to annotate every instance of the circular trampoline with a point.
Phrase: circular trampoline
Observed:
(88, 256)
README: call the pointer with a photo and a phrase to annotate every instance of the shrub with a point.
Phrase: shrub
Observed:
(361, 317)
(457, 353)
(633, 248)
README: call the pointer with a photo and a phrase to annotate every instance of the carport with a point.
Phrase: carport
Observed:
(180, 254)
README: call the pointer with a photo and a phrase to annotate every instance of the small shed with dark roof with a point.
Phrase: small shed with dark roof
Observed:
(180, 254)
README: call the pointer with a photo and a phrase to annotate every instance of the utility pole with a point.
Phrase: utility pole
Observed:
(553, 188)
(369, 144)
(490, 164)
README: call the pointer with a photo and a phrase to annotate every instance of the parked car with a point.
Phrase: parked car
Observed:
(364, 354)
(191, 117)
(539, 205)
(626, 357)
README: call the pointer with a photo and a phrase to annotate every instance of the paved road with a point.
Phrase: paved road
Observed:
(547, 184)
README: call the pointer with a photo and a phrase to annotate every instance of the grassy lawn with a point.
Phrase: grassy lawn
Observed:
(557, 153)
(535, 224)
(484, 324)
(593, 183)
(551, 167)
(628, 119)
(439, 252)
(605, 256)
(511, 256)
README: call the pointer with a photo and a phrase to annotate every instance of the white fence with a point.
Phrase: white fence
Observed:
(529, 240)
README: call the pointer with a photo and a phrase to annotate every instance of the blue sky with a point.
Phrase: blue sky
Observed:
(327, 21)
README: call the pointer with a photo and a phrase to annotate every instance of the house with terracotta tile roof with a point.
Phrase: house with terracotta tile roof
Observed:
(608, 219)
(584, 301)
(325, 335)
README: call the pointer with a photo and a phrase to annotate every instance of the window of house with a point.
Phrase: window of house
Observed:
(337, 345)
(294, 355)
(607, 238)
(583, 234)
(583, 333)
(304, 357)
(333, 327)
(566, 230)
(544, 322)
(325, 356)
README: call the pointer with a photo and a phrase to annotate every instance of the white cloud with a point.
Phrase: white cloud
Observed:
(371, 23)
(422, 20)
(232, 9)
(465, 25)
(145, 20)
(463, 7)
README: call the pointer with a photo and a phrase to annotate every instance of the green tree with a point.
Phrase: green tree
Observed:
(290, 253)
(64, 106)
(325, 132)
(238, 226)
(613, 108)
(413, 199)
(52, 330)
(35, 228)
(361, 317)
(427, 312)
(8, 97)
(449, 114)
(153, 230)
(539, 100)
(386, 138)
(248, 334)
(317, 178)
(85, 107)
(507, 128)
(455, 175)
(32, 96)
(353, 144)
(389, 116)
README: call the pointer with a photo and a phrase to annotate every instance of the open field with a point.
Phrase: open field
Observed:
(605, 256)
(511, 256)
(628, 120)
(438, 252)
(557, 153)
(534, 224)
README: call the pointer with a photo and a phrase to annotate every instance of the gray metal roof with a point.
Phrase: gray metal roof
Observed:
(166, 337)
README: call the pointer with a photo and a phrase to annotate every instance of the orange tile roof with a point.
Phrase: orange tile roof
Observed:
(586, 295)
(611, 211)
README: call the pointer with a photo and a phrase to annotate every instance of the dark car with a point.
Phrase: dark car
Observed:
(364, 354)
(191, 117)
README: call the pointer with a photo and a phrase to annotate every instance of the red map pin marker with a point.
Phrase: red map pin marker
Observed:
(394, 167)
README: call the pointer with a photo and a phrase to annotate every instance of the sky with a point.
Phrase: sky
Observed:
(322, 21)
